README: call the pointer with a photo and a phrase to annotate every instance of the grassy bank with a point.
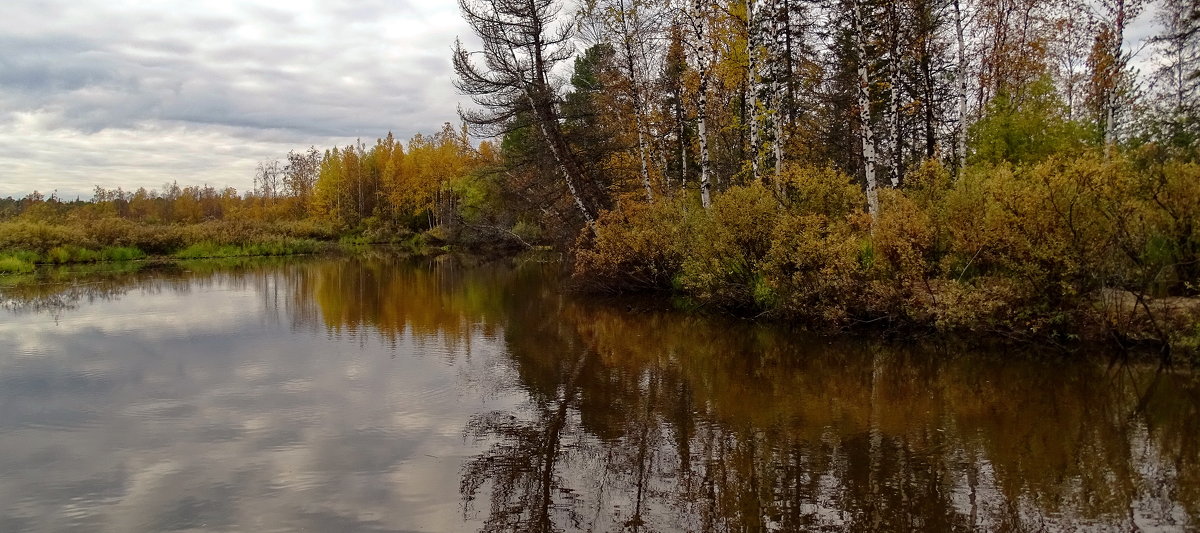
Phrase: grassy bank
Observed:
(95, 234)
(26, 244)
(24, 261)
(279, 247)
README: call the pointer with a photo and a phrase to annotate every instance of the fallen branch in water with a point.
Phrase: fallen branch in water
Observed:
(502, 230)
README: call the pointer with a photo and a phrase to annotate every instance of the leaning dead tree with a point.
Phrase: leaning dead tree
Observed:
(521, 46)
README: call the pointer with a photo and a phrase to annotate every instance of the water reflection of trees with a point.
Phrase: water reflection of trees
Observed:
(654, 421)
(523, 463)
(441, 302)
(384, 295)
(679, 423)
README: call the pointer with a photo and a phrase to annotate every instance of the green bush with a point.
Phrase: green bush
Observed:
(1027, 127)
(15, 265)
(24, 255)
(530, 233)
(275, 247)
(724, 245)
(814, 268)
(203, 250)
(307, 229)
(122, 253)
(60, 255)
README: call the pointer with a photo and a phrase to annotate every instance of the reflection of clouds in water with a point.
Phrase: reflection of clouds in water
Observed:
(150, 317)
(162, 410)
(351, 394)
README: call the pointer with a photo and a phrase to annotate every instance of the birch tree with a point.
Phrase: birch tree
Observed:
(632, 38)
(894, 62)
(960, 75)
(864, 109)
(627, 24)
(1070, 50)
(753, 82)
(268, 179)
(781, 62)
(698, 20)
(934, 59)
(1013, 39)
(675, 66)
(1111, 79)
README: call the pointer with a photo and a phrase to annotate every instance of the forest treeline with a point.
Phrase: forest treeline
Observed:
(387, 192)
(353, 187)
(1014, 166)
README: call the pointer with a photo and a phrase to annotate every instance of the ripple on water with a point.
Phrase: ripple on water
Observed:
(56, 419)
(159, 410)
(431, 394)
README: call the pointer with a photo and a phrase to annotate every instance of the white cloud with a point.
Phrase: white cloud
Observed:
(134, 93)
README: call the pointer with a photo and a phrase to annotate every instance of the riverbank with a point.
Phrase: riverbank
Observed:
(24, 245)
(817, 272)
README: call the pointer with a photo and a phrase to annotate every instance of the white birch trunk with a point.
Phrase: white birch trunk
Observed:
(702, 111)
(562, 167)
(864, 110)
(779, 55)
(635, 91)
(664, 164)
(641, 140)
(894, 95)
(683, 152)
(752, 85)
(702, 120)
(894, 112)
(1111, 104)
(962, 87)
(777, 142)
(542, 120)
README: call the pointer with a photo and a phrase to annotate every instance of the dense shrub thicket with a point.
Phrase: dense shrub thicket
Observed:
(1068, 246)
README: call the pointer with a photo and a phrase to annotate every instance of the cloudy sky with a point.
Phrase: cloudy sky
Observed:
(137, 93)
(141, 92)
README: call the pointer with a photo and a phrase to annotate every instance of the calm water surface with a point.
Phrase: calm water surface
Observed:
(385, 394)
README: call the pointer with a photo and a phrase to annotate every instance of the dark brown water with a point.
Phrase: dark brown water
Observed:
(383, 394)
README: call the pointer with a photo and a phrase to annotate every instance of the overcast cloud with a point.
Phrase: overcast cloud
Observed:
(137, 93)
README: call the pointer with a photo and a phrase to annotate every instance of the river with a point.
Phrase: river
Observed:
(383, 393)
